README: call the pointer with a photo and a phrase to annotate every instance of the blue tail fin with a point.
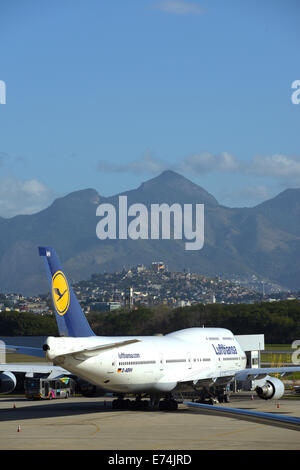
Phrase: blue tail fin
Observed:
(70, 319)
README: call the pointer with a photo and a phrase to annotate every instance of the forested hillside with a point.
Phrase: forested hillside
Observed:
(278, 321)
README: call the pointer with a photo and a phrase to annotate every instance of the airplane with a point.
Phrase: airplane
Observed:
(201, 360)
(8, 379)
(8, 371)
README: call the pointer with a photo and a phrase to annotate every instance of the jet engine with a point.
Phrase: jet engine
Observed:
(273, 388)
(8, 382)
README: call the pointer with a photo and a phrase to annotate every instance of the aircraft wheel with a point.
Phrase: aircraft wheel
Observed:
(174, 405)
(168, 405)
(162, 405)
(115, 405)
(212, 401)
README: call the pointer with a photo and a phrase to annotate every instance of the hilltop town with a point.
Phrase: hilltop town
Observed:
(152, 285)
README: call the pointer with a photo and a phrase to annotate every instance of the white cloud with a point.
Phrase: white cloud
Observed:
(148, 164)
(276, 166)
(179, 7)
(23, 196)
(206, 162)
(282, 169)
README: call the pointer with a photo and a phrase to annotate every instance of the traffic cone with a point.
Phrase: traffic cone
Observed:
(19, 428)
(252, 397)
(278, 405)
(14, 406)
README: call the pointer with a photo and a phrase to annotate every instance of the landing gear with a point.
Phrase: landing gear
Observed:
(208, 401)
(214, 396)
(224, 398)
(212, 401)
(154, 402)
(222, 394)
(138, 404)
(119, 404)
(168, 405)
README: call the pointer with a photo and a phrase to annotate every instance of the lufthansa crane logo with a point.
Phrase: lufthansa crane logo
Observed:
(60, 292)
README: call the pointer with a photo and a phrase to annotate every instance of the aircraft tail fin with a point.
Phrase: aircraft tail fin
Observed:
(70, 318)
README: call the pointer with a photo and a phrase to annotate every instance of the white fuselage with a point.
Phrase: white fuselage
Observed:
(154, 364)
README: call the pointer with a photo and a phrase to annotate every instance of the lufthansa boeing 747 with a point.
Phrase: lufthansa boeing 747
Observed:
(202, 360)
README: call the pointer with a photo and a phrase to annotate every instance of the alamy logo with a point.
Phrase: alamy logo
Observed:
(296, 94)
(2, 92)
(156, 225)
(296, 354)
(2, 352)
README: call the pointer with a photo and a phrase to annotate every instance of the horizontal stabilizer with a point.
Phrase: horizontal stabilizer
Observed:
(95, 350)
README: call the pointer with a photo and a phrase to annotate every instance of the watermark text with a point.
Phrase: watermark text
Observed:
(296, 94)
(296, 354)
(135, 222)
(2, 92)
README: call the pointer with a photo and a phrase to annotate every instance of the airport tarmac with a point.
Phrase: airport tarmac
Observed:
(90, 423)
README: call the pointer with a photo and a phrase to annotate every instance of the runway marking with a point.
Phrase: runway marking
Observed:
(91, 423)
(76, 424)
(236, 431)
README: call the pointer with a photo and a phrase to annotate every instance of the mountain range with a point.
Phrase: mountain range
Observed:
(263, 240)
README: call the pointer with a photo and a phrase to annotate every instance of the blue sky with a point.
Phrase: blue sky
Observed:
(107, 94)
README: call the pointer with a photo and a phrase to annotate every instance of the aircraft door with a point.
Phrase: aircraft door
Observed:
(189, 360)
(111, 363)
(161, 361)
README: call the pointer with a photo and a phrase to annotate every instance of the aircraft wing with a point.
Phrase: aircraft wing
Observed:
(261, 372)
(37, 352)
(242, 375)
(190, 376)
(34, 368)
